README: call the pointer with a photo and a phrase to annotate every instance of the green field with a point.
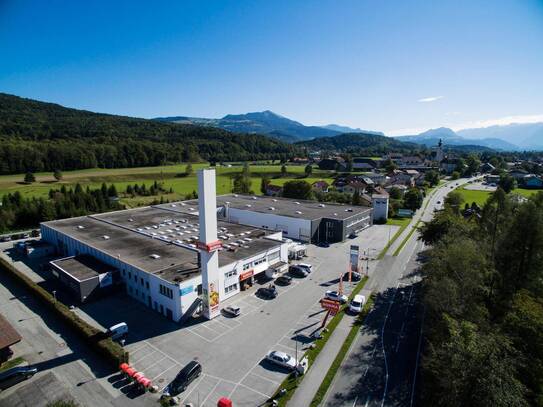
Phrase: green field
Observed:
(171, 176)
(480, 197)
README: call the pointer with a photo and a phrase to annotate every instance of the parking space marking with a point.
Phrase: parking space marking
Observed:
(265, 378)
(158, 361)
(145, 356)
(164, 371)
(197, 334)
(194, 388)
(211, 392)
(285, 346)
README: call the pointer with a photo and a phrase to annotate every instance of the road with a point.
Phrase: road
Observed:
(380, 368)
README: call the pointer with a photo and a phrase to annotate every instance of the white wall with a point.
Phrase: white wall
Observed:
(380, 208)
(290, 226)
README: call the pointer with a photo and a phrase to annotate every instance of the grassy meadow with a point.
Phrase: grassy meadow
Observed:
(171, 176)
(480, 197)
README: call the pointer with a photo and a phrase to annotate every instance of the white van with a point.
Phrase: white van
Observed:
(118, 331)
(357, 304)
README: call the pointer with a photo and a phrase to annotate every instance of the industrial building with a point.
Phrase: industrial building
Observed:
(180, 257)
(155, 252)
(307, 221)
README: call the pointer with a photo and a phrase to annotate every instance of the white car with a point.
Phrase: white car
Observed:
(335, 296)
(357, 304)
(281, 359)
(306, 266)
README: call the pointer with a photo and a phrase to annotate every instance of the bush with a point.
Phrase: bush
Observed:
(112, 351)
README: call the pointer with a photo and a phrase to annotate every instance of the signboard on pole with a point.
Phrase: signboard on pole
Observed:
(330, 305)
(354, 254)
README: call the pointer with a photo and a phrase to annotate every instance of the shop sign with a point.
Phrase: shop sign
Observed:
(246, 275)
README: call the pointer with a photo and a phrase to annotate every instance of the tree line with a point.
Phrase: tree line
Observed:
(483, 296)
(37, 136)
(18, 212)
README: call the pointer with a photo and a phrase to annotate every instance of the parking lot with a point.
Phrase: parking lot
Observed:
(232, 350)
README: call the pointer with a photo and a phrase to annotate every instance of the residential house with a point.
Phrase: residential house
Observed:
(532, 181)
(411, 161)
(448, 165)
(364, 164)
(486, 168)
(330, 164)
(355, 186)
(402, 178)
(518, 173)
(377, 178)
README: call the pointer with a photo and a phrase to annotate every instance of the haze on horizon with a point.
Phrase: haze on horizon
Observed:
(397, 67)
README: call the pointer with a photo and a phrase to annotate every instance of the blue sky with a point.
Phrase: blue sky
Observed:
(394, 66)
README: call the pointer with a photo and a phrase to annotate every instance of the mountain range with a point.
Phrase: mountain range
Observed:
(512, 137)
(268, 123)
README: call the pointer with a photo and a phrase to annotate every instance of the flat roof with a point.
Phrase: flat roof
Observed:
(309, 210)
(161, 241)
(82, 267)
(8, 335)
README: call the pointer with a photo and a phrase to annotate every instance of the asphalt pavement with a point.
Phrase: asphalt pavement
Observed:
(381, 367)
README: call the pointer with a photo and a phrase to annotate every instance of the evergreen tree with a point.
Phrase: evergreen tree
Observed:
(58, 175)
(30, 178)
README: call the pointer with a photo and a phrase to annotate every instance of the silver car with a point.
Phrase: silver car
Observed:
(281, 359)
(335, 296)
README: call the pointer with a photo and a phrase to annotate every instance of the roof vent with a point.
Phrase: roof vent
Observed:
(105, 237)
(248, 205)
(299, 212)
(321, 205)
(80, 227)
(173, 205)
(274, 200)
(254, 197)
(131, 220)
(271, 208)
(296, 203)
(183, 203)
(335, 214)
(154, 256)
(235, 195)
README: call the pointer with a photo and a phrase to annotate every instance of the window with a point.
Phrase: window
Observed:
(147, 284)
(231, 288)
(247, 266)
(259, 261)
(165, 291)
(129, 274)
(137, 292)
(230, 274)
(273, 256)
(141, 280)
(135, 278)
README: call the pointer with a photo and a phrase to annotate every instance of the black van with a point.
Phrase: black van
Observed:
(185, 377)
(16, 375)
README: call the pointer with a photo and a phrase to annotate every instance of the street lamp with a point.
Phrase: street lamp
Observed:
(55, 295)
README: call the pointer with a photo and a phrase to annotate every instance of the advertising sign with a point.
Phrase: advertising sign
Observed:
(211, 299)
(354, 255)
(246, 275)
(209, 247)
(186, 290)
(330, 305)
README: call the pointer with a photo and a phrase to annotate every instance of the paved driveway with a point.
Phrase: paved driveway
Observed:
(231, 350)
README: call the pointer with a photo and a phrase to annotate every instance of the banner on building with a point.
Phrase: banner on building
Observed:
(211, 300)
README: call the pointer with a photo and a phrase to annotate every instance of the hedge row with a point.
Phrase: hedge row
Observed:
(112, 351)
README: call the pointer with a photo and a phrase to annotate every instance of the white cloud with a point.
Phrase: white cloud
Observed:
(430, 99)
(502, 121)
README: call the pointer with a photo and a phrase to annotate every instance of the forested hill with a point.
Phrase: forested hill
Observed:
(38, 136)
(359, 143)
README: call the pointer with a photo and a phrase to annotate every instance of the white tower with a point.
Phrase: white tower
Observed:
(380, 207)
(208, 244)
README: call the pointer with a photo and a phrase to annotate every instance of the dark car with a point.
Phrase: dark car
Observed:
(354, 276)
(16, 375)
(323, 244)
(283, 280)
(185, 377)
(231, 311)
(297, 271)
(267, 292)
(353, 235)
